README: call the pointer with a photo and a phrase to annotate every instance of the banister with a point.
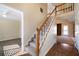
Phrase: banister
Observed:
(60, 4)
(65, 9)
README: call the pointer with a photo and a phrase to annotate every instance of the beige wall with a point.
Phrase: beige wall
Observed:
(9, 29)
(32, 17)
(66, 22)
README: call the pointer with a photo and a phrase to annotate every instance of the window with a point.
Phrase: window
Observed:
(55, 30)
(77, 29)
(65, 30)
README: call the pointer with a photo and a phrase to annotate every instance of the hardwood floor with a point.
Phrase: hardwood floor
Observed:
(62, 48)
(66, 39)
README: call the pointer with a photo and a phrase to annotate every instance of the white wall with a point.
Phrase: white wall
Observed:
(9, 29)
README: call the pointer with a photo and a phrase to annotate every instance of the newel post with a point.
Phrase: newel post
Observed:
(37, 41)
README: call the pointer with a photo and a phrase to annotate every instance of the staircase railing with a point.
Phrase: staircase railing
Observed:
(42, 31)
(64, 8)
(44, 28)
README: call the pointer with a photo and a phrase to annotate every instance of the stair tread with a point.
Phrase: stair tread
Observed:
(33, 44)
(31, 50)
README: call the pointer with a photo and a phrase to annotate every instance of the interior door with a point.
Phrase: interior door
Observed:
(58, 29)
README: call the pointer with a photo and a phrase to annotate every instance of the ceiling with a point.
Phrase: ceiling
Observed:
(7, 13)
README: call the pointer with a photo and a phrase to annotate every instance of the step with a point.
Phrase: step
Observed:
(30, 50)
(34, 40)
(33, 44)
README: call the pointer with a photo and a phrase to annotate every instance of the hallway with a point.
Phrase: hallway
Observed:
(63, 48)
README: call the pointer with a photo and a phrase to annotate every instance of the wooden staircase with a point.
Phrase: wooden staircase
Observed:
(42, 30)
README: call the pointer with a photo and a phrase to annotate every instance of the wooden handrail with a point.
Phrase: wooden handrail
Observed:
(66, 8)
(40, 26)
(46, 24)
(60, 4)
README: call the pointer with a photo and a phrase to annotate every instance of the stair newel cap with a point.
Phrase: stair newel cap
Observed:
(38, 29)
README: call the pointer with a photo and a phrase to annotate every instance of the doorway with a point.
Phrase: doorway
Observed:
(58, 29)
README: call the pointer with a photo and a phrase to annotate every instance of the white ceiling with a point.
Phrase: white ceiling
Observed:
(12, 15)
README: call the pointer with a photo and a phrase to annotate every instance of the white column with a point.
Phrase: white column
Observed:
(22, 31)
